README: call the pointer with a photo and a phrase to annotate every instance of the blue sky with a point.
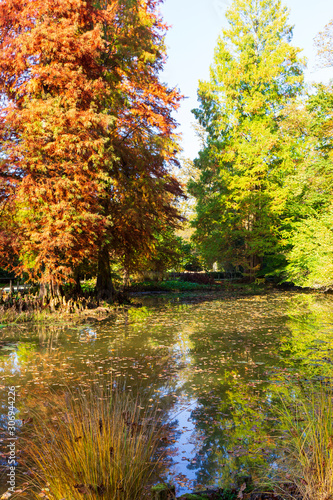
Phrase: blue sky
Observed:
(195, 26)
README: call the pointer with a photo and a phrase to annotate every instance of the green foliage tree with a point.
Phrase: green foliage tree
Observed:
(310, 240)
(241, 194)
(169, 252)
(310, 260)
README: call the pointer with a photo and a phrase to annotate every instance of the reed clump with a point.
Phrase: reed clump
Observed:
(306, 446)
(101, 445)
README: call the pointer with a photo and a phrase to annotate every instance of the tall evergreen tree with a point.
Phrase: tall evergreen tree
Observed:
(240, 195)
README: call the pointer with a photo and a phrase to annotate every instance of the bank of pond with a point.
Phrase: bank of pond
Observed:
(230, 396)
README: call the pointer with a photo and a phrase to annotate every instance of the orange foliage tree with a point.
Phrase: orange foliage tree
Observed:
(86, 135)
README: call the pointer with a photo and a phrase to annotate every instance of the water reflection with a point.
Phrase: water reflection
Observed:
(218, 369)
(87, 334)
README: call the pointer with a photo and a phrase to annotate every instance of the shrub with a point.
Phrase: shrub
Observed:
(166, 286)
(201, 278)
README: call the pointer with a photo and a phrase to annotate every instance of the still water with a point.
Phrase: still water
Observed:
(217, 367)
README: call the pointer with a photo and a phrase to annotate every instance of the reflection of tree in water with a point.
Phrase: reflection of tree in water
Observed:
(238, 413)
(238, 431)
(235, 395)
(310, 342)
(230, 358)
(134, 356)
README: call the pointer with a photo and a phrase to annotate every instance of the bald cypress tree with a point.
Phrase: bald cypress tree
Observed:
(255, 76)
(86, 136)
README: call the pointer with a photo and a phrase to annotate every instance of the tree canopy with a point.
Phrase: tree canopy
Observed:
(240, 195)
(89, 153)
(86, 134)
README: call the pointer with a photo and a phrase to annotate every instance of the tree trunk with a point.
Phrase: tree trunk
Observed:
(49, 290)
(77, 288)
(126, 278)
(43, 291)
(55, 289)
(104, 286)
(254, 265)
(253, 262)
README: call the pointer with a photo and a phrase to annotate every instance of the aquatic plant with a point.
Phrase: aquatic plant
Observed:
(101, 444)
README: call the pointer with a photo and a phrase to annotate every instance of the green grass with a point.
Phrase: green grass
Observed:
(97, 444)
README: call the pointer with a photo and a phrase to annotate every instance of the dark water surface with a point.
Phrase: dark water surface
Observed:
(218, 368)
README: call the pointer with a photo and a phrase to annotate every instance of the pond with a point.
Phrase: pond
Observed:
(217, 367)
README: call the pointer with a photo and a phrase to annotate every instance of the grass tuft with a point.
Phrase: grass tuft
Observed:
(307, 446)
(101, 445)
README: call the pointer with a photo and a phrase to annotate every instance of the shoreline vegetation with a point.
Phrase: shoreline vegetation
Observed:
(92, 441)
(103, 443)
(27, 306)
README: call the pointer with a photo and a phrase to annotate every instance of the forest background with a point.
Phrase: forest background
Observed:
(89, 162)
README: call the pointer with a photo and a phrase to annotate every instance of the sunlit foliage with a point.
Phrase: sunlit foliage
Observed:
(240, 195)
(86, 135)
